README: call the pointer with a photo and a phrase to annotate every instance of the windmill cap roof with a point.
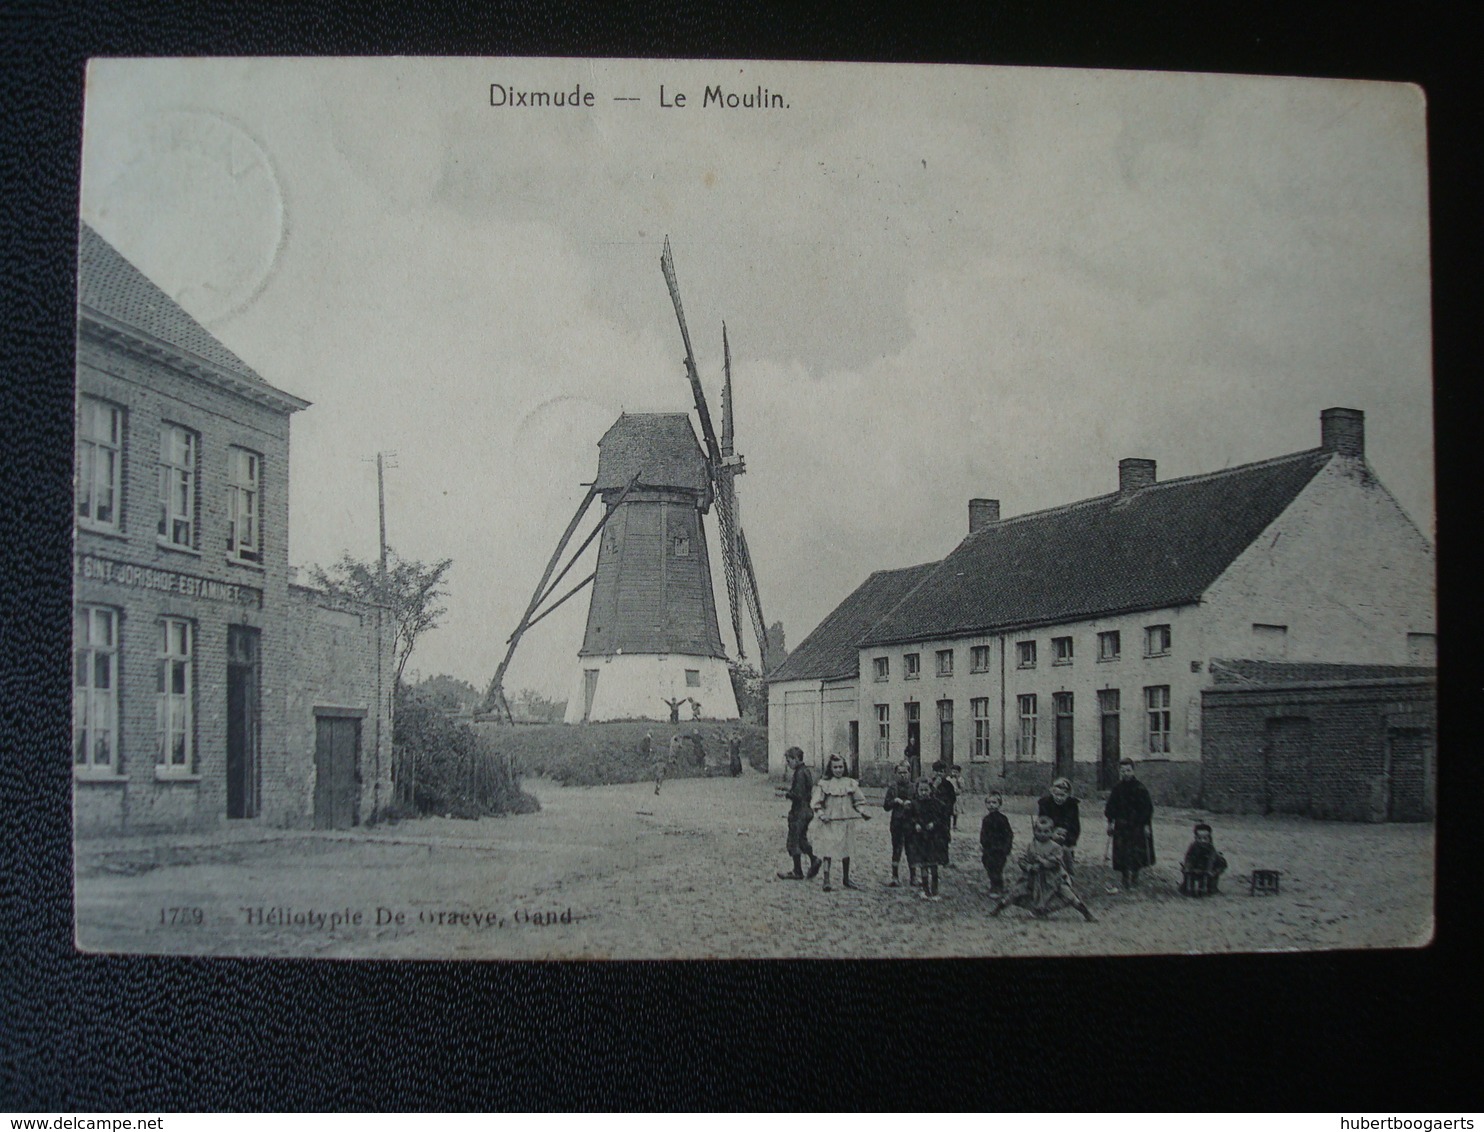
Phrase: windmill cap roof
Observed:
(660, 448)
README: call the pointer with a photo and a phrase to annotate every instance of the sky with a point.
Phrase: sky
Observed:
(938, 283)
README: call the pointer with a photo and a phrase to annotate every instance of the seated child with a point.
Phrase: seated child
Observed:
(995, 841)
(1044, 885)
(1203, 865)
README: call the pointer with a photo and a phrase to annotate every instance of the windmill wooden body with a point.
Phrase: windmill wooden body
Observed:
(652, 640)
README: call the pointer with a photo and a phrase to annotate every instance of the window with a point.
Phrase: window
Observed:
(174, 695)
(979, 709)
(883, 731)
(912, 665)
(1025, 654)
(95, 694)
(1061, 650)
(1110, 645)
(692, 677)
(881, 669)
(1025, 743)
(682, 546)
(244, 505)
(945, 662)
(1157, 704)
(1422, 648)
(1157, 640)
(1108, 701)
(100, 436)
(979, 658)
(177, 525)
(1269, 642)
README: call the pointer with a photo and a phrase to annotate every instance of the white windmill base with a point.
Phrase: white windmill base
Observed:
(636, 686)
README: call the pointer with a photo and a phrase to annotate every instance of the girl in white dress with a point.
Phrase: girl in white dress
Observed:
(837, 807)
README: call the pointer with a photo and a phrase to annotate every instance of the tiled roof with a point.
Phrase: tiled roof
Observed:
(111, 286)
(1263, 672)
(830, 652)
(1159, 546)
(661, 447)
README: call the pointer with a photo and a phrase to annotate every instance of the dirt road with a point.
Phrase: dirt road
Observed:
(615, 871)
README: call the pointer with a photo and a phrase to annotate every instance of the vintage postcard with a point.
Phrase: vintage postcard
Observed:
(630, 509)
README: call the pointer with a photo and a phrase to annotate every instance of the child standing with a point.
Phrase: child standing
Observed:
(956, 778)
(898, 803)
(995, 841)
(1044, 885)
(927, 839)
(1200, 874)
(945, 793)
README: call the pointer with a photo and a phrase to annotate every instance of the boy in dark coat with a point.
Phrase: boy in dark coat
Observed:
(1130, 814)
(800, 794)
(898, 803)
(927, 839)
(947, 795)
(996, 838)
(1200, 873)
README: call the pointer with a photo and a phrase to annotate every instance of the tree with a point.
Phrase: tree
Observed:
(412, 593)
(447, 692)
(533, 705)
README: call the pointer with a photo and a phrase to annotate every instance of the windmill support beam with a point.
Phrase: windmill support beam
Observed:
(495, 697)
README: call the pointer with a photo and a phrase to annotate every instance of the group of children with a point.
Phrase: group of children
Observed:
(923, 815)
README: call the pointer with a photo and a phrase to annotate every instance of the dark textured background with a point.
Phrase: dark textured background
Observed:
(80, 1033)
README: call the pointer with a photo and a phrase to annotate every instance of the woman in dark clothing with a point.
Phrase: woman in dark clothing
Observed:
(1061, 808)
(1130, 814)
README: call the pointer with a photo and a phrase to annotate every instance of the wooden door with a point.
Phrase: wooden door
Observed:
(945, 732)
(1286, 765)
(1111, 752)
(244, 774)
(337, 752)
(1063, 763)
(1408, 756)
(589, 690)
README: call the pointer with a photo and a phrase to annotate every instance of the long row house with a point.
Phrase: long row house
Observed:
(208, 686)
(1259, 639)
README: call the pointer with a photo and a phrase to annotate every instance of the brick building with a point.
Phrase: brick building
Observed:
(1348, 741)
(1060, 641)
(206, 685)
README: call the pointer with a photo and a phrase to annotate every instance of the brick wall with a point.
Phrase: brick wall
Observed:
(1322, 749)
(152, 392)
(333, 643)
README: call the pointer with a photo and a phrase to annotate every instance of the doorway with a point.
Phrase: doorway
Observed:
(945, 732)
(1062, 702)
(244, 773)
(855, 749)
(589, 690)
(337, 772)
(1111, 752)
(1408, 750)
(1285, 765)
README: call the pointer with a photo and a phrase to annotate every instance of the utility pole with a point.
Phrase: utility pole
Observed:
(380, 628)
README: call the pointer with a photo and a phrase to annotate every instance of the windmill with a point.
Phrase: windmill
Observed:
(652, 640)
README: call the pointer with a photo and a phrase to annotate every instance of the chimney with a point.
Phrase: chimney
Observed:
(1342, 431)
(1134, 474)
(982, 512)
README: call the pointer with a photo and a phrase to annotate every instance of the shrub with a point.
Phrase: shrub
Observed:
(443, 766)
(603, 754)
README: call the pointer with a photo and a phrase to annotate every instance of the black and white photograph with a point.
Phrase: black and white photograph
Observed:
(640, 509)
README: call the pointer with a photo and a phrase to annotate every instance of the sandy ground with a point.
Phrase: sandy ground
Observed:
(690, 874)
